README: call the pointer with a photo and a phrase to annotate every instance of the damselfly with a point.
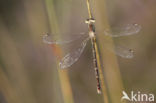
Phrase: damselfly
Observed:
(71, 57)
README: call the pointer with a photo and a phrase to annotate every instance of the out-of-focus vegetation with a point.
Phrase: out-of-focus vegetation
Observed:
(29, 68)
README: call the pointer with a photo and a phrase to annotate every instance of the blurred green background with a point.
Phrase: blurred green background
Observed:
(28, 70)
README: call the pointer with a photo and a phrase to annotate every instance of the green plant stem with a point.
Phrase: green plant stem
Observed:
(62, 74)
(103, 86)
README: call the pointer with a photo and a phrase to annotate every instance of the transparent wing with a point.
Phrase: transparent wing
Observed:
(73, 56)
(129, 29)
(48, 39)
(122, 51)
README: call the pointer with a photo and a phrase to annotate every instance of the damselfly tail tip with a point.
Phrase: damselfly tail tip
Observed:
(98, 91)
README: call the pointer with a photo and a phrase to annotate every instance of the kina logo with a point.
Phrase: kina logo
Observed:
(137, 97)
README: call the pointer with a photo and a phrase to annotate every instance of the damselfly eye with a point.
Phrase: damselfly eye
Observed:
(87, 21)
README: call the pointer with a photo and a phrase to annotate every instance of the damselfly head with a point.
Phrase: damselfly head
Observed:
(91, 20)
